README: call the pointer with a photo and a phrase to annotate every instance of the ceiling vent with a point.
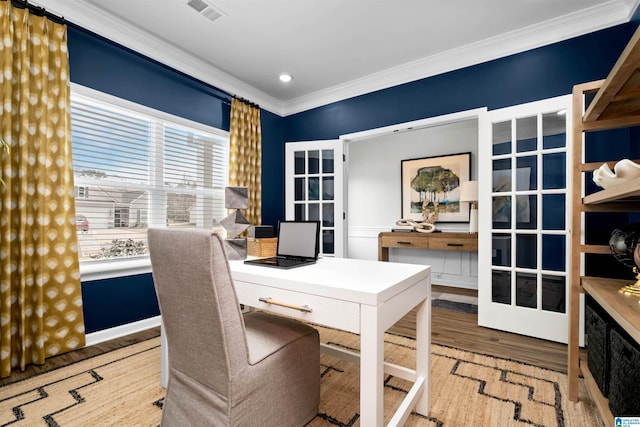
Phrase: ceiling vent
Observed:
(205, 9)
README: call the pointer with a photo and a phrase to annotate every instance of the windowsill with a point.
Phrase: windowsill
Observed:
(109, 269)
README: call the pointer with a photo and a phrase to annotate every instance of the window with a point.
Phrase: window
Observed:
(81, 192)
(135, 168)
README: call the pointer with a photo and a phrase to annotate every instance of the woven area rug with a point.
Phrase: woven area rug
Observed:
(121, 388)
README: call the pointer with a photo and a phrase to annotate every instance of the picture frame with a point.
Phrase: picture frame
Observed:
(434, 183)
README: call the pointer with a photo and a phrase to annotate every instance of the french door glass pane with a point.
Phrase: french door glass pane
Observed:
(501, 250)
(327, 215)
(526, 251)
(553, 293)
(553, 130)
(526, 173)
(553, 252)
(553, 212)
(327, 188)
(554, 171)
(327, 161)
(314, 212)
(501, 138)
(527, 134)
(299, 192)
(328, 245)
(526, 212)
(501, 287)
(299, 162)
(501, 175)
(299, 214)
(314, 188)
(526, 290)
(502, 212)
(314, 161)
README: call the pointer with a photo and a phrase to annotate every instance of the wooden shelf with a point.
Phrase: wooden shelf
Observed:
(624, 309)
(618, 99)
(616, 104)
(617, 193)
(602, 403)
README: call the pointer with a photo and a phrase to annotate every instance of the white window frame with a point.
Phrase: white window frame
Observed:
(111, 268)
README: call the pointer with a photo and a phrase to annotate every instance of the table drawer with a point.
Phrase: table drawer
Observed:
(405, 240)
(453, 244)
(324, 311)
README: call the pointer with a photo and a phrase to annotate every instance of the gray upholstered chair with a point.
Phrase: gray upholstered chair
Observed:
(226, 368)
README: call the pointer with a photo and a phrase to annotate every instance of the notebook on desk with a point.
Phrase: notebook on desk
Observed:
(298, 244)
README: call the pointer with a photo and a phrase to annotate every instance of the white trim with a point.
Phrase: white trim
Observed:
(416, 124)
(121, 331)
(572, 25)
(112, 268)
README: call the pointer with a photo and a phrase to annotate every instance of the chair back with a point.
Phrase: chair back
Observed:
(201, 317)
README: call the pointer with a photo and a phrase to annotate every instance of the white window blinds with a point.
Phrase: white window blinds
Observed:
(136, 168)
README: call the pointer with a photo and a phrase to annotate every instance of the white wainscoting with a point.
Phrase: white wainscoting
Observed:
(448, 268)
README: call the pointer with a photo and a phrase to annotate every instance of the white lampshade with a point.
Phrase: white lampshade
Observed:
(469, 191)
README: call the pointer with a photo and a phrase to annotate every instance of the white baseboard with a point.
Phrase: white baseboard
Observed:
(121, 331)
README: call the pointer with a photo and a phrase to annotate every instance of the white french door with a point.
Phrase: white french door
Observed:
(314, 189)
(524, 219)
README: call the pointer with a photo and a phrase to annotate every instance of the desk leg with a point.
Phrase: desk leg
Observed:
(371, 368)
(423, 353)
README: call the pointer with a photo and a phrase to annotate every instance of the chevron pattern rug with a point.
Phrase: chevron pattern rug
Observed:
(121, 388)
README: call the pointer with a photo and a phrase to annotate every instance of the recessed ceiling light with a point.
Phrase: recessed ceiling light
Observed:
(286, 78)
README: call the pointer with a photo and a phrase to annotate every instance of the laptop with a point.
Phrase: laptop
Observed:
(298, 244)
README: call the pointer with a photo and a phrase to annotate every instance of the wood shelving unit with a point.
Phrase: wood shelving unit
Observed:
(616, 104)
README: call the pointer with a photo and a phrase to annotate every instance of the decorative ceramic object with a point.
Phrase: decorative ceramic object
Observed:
(623, 171)
(430, 215)
(235, 223)
(624, 244)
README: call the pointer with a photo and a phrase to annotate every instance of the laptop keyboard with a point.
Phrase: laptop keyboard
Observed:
(286, 262)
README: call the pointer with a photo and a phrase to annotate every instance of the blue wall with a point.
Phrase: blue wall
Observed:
(537, 74)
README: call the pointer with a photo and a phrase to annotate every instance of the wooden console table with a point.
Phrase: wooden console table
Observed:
(437, 241)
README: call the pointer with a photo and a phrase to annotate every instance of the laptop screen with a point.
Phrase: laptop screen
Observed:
(298, 238)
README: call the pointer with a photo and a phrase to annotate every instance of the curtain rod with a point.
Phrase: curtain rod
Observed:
(246, 101)
(37, 10)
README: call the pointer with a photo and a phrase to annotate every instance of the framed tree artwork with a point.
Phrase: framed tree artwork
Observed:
(433, 184)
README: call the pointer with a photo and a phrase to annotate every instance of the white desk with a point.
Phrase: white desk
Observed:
(364, 297)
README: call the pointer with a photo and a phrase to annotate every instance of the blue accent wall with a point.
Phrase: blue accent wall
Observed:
(533, 75)
(105, 66)
(114, 302)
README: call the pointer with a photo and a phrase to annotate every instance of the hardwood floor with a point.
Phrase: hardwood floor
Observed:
(450, 328)
(461, 330)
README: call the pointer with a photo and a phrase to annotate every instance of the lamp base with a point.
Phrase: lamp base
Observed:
(633, 289)
(473, 221)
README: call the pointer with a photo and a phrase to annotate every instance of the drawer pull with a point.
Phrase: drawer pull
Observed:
(268, 300)
(404, 243)
(455, 244)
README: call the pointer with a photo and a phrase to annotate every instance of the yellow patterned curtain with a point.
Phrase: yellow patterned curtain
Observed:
(40, 295)
(245, 155)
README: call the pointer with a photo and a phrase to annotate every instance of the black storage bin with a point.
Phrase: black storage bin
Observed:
(624, 384)
(598, 327)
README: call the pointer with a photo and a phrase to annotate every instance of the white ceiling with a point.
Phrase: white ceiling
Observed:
(335, 49)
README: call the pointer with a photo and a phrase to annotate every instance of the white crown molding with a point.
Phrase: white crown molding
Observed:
(589, 20)
(99, 22)
(602, 16)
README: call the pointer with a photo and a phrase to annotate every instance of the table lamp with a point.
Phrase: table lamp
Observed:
(469, 193)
